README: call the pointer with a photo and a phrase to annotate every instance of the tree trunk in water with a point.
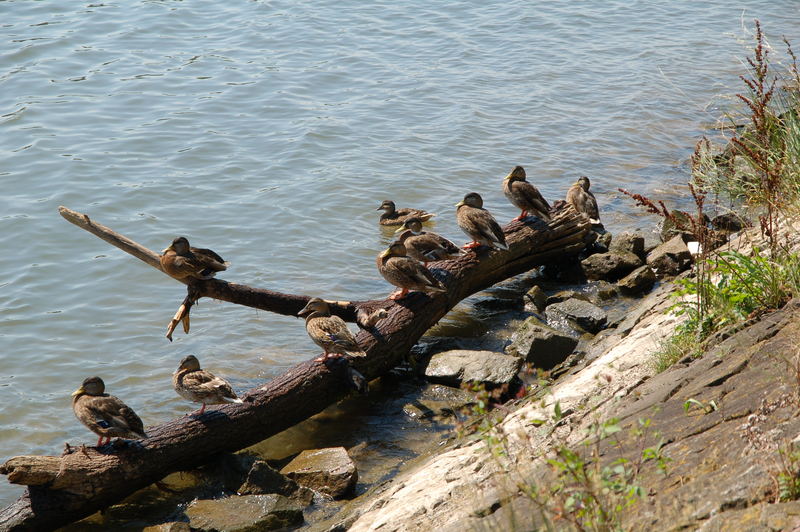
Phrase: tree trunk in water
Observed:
(67, 488)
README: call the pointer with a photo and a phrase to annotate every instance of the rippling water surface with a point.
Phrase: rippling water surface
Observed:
(271, 131)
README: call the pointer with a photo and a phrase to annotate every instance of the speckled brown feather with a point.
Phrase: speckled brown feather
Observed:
(524, 195)
(101, 408)
(201, 386)
(181, 261)
(329, 332)
(405, 272)
(478, 223)
(583, 200)
(426, 247)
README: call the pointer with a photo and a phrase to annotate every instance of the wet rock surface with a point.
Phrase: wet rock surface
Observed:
(457, 366)
(628, 243)
(329, 471)
(250, 513)
(540, 344)
(579, 313)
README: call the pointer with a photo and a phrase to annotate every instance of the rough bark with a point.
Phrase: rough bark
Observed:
(68, 488)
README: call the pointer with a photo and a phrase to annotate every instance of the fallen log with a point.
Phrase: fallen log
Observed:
(67, 488)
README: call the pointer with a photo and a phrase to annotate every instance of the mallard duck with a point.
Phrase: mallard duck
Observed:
(394, 216)
(329, 332)
(104, 414)
(182, 261)
(425, 246)
(405, 272)
(478, 223)
(201, 386)
(524, 195)
(582, 200)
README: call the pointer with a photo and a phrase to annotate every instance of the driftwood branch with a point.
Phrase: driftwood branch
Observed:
(64, 489)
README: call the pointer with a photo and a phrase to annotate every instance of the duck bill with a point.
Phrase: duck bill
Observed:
(402, 228)
(304, 311)
(460, 203)
(385, 253)
(168, 248)
(79, 391)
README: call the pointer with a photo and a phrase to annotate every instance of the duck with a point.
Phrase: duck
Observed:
(425, 246)
(201, 386)
(478, 223)
(582, 200)
(525, 195)
(329, 332)
(406, 273)
(104, 414)
(395, 216)
(184, 262)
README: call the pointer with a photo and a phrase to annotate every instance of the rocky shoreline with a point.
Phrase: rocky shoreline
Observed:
(595, 339)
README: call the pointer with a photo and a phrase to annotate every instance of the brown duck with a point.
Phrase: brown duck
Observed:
(405, 272)
(583, 200)
(425, 246)
(201, 386)
(525, 196)
(329, 332)
(394, 216)
(184, 262)
(478, 223)
(104, 414)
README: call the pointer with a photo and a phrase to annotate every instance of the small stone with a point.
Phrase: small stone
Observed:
(330, 471)
(680, 226)
(540, 344)
(605, 290)
(262, 479)
(537, 296)
(582, 314)
(611, 265)
(628, 243)
(604, 240)
(638, 281)
(670, 258)
(248, 513)
(457, 366)
(729, 222)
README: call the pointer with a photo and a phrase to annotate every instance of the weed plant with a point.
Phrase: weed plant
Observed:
(759, 170)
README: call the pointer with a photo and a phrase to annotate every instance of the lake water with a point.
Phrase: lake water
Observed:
(271, 131)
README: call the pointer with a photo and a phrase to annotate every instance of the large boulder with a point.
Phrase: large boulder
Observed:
(611, 265)
(637, 282)
(578, 313)
(457, 366)
(670, 258)
(540, 344)
(628, 243)
(330, 471)
(248, 513)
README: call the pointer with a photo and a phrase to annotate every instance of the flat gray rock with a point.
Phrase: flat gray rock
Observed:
(628, 243)
(540, 344)
(578, 313)
(457, 366)
(330, 471)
